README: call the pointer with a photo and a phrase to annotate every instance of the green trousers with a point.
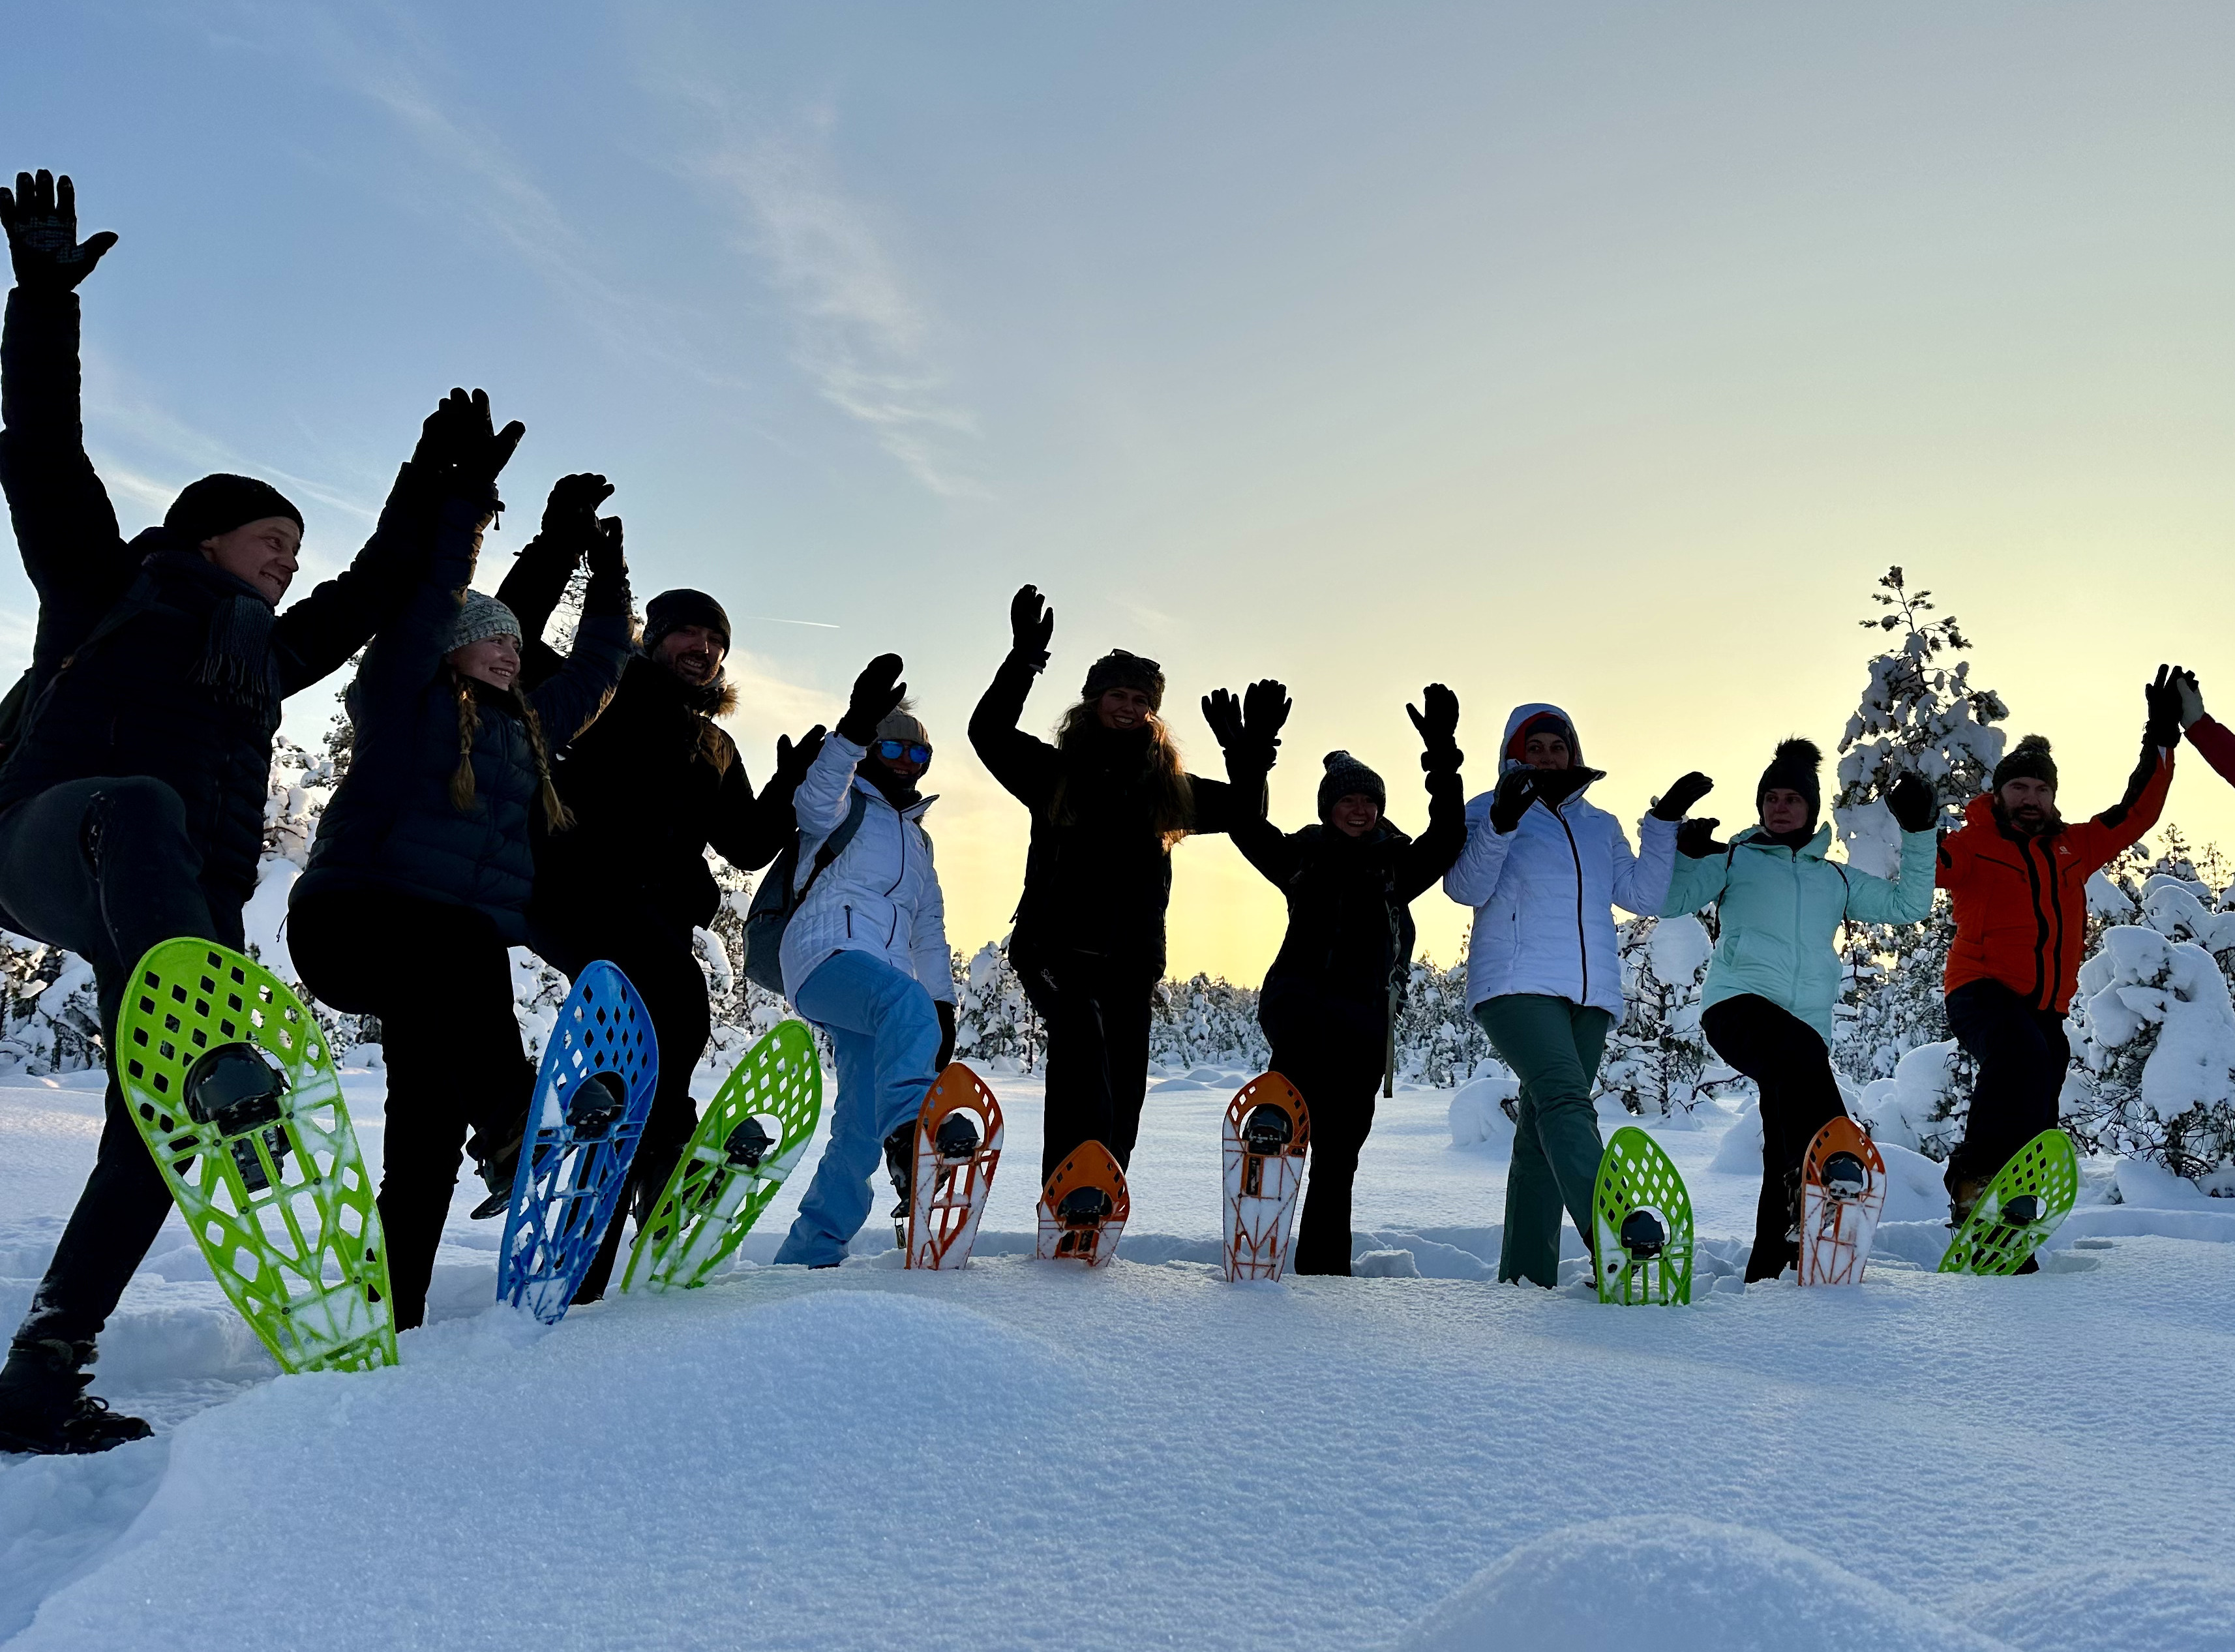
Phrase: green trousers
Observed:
(1553, 1046)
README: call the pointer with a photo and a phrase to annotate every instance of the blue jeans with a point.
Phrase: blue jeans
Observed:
(885, 1032)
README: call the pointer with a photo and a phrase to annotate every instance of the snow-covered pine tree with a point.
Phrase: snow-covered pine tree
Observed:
(995, 1023)
(1438, 1043)
(1657, 1054)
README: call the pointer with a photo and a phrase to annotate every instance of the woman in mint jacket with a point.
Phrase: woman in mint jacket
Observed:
(1767, 1008)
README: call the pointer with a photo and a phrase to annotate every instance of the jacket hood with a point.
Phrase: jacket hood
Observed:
(1813, 849)
(1521, 714)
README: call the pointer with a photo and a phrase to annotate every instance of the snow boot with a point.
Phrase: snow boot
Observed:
(44, 1408)
(1642, 1234)
(900, 1164)
(2023, 1212)
(1844, 1177)
(596, 1105)
(1962, 1196)
(1266, 1129)
(238, 1089)
(748, 1145)
(499, 1167)
(1083, 1207)
(957, 1138)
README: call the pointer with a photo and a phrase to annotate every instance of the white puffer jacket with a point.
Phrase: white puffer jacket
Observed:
(1541, 892)
(881, 895)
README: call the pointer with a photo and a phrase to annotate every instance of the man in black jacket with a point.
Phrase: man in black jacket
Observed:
(652, 784)
(132, 798)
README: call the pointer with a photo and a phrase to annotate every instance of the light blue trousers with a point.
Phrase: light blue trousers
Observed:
(884, 1030)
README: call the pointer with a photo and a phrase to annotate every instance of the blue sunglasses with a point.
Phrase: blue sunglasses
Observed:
(893, 750)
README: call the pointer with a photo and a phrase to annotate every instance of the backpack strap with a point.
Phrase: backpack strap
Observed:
(834, 845)
(20, 710)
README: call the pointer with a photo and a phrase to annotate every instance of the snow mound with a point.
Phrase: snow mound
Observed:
(2166, 1607)
(1677, 1584)
(1477, 1112)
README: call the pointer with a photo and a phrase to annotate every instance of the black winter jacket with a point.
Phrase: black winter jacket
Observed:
(1350, 899)
(1099, 881)
(652, 783)
(393, 824)
(135, 702)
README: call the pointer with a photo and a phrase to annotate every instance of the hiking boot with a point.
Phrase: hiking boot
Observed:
(1962, 1197)
(1643, 1236)
(2023, 1212)
(1083, 1207)
(1844, 1177)
(957, 1138)
(44, 1408)
(1267, 1130)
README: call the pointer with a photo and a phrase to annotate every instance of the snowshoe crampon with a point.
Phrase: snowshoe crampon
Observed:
(229, 1081)
(751, 1138)
(2025, 1203)
(1269, 1131)
(1084, 1208)
(578, 1147)
(1842, 1191)
(958, 1147)
(1636, 1180)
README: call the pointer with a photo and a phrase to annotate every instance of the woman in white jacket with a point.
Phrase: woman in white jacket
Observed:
(865, 955)
(1541, 868)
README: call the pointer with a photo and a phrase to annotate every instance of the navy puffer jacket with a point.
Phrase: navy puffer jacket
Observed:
(393, 823)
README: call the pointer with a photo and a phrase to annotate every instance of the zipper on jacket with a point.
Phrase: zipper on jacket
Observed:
(2055, 976)
(2039, 917)
(850, 923)
(1583, 946)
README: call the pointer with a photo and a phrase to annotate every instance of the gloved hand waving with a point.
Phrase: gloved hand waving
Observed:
(460, 444)
(1512, 800)
(2164, 700)
(1677, 801)
(570, 515)
(1909, 800)
(1438, 727)
(40, 216)
(794, 759)
(1695, 839)
(876, 691)
(2192, 699)
(1032, 623)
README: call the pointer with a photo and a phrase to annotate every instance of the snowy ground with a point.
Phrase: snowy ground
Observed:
(1022, 1454)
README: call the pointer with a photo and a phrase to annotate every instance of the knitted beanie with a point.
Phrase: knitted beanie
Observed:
(672, 610)
(482, 618)
(900, 723)
(1345, 775)
(1793, 769)
(2028, 761)
(218, 504)
(1118, 669)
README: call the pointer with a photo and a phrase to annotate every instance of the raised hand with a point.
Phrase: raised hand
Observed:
(2192, 699)
(876, 691)
(41, 217)
(1910, 801)
(605, 548)
(2163, 699)
(793, 760)
(1512, 800)
(570, 515)
(1695, 839)
(1031, 622)
(1438, 725)
(460, 440)
(1265, 708)
(1222, 711)
(1677, 802)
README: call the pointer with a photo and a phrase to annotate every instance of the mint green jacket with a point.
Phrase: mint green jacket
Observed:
(1780, 911)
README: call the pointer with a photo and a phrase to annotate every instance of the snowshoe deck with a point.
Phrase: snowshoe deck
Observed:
(1637, 1178)
(1836, 1233)
(948, 1194)
(1074, 1225)
(272, 1186)
(593, 1092)
(751, 1139)
(2045, 1169)
(1264, 1175)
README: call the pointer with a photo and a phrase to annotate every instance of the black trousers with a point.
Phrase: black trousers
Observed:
(1333, 1049)
(1788, 1062)
(1095, 1011)
(654, 950)
(106, 868)
(2022, 1054)
(439, 977)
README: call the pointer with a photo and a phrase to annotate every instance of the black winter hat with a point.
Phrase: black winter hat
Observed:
(1118, 669)
(1793, 768)
(1345, 774)
(2030, 760)
(218, 504)
(672, 610)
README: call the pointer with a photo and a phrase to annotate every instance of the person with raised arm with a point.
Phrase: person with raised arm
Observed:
(419, 878)
(1108, 799)
(1329, 1003)
(653, 784)
(1775, 976)
(138, 746)
(1541, 869)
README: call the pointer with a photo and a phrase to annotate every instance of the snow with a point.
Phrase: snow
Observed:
(1023, 1453)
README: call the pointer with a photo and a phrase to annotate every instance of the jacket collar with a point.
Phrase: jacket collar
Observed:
(1754, 838)
(914, 811)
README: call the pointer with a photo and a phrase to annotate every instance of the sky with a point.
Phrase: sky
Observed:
(1599, 353)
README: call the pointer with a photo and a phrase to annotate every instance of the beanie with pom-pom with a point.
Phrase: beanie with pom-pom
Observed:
(1345, 775)
(1793, 769)
(2028, 760)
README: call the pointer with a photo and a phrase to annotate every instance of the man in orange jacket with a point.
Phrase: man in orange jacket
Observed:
(2018, 876)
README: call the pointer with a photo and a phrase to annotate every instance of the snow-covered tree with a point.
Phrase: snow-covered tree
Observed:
(1439, 1042)
(1657, 1056)
(995, 1020)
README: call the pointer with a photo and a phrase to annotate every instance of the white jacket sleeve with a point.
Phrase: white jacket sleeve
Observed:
(1641, 880)
(1473, 877)
(927, 949)
(820, 802)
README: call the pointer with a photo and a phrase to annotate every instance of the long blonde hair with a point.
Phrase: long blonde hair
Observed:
(1173, 816)
(556, 815)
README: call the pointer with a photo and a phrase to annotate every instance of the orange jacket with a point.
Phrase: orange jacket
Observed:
(2021, 902)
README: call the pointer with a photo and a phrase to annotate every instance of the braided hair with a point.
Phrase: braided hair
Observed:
(556, 815)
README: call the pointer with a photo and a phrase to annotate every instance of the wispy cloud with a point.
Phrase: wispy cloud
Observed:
(858, 333)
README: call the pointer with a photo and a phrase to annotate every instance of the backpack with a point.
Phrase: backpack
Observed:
(21, 708)
(774, 904)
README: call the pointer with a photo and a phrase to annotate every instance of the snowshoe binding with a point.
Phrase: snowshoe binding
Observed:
(1844, 1177)
(237, 1089)
(1643, 1235)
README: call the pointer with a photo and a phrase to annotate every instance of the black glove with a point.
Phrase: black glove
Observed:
(1265, 708)
(606, 558)
(40, 218)
(1512, 800)
(1437, 725)
(793, 761)
(946, 1033)
(876, 690)
(1677, 801)
(1910, 801)
(1224, 713)
(459, 442)
(570, 515)
(1031, 623)
(2164, 700)
(1695, 839)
